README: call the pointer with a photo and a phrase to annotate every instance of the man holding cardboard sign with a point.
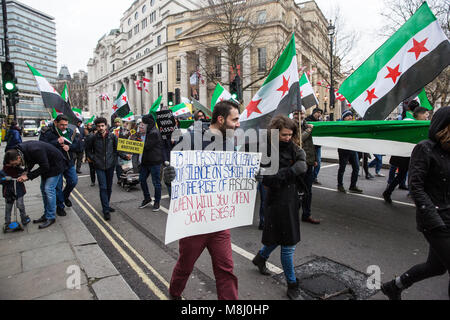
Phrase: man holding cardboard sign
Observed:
(225, 117)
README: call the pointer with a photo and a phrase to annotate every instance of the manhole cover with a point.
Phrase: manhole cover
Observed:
(324, 287)
(322, 278)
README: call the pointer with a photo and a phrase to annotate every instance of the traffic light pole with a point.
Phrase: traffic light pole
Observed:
(11, 103)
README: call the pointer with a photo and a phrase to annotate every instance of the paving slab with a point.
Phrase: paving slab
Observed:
(94, 262)
(82, 294)
(114, 288)
(76, 231)
(47, 256)
(10, 265)
(37, 283)
(31, 241)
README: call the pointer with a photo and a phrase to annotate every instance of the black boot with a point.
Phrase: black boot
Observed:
(260, 262)
(387, 197)
(293, 291)
(47, 224)
(391, 290)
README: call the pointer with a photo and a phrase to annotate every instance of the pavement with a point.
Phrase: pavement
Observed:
(63, 262)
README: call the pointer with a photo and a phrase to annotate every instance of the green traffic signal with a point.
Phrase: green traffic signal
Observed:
(10, 86)
(234, 96)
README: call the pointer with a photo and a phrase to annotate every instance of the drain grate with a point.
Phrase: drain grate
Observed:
(324, 279)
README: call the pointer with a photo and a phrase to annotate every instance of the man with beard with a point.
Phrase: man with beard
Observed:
(225, 117)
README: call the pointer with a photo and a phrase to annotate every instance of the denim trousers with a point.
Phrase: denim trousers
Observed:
(155, 172)
(319, 162)
(287, 260)
(105, 181)
(71, 182)
(48, 191)
(377, 163)
(9, 208)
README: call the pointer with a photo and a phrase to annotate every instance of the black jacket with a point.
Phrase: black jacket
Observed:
(51, 136)
(102, 151)
(50, 160)
(282, 205)
(153, 148)
(429, 177)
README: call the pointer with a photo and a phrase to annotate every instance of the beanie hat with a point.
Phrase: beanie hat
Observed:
(347, 113)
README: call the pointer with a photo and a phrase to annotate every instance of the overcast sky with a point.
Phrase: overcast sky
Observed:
(81, 23)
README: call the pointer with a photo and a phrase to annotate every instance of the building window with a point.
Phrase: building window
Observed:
(262, 17)
(178, 71)
(159, 68)
(160, 88)
(147, 51)
(152, 2)
(129, 22)
(136, 16)
(138, 55)
(144, 23)
(130, 34)
(136, 29)
(153, 16)
(218, 66)
(144, 8)
(178, 31)
(158, 41)
(262, 61)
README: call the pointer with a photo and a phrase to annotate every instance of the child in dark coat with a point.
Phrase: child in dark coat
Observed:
(13, 191)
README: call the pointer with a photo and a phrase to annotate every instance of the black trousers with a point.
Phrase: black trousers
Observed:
(92, 171)
(401, 176)
(438, 262)
(346, 156)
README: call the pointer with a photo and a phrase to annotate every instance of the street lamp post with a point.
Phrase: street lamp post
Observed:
(331, 32)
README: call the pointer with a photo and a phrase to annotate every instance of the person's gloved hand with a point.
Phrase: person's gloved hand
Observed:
(169, 174)
(299, 168)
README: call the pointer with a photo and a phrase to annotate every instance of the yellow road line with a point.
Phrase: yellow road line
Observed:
(151, 285)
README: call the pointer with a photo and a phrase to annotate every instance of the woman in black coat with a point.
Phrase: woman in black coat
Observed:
(282, 205)
(429, 176)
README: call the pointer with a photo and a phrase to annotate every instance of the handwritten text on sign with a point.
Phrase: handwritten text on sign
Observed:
(213, 191)
(130, 146)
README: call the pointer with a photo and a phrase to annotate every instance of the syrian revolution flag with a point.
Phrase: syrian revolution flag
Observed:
(421, 98)
(51, 98)
(91, 120)
(78, 113)
(309, 99)
(182, 109)
(219, 95)
(65, 94)
(121, 108)
(129, 117)
(138, 85)
(413, 57)
(395, 138)
(104, 97)
(156, 107)
(280, 93)
(202, 108)
(146, 84)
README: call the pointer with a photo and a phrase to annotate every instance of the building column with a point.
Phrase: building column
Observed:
(203, 85)
(139, 97)
(132, 93)
(246, 76)
(225, 68)
(184, 86)
(147, 101)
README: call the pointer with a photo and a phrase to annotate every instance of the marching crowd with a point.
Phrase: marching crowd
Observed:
(60, 152)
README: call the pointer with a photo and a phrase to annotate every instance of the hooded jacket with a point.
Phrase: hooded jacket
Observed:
(429, 177)
(153, 147)
(13, 138)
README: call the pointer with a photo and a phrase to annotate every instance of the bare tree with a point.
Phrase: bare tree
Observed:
(397, 13)
(236, 26)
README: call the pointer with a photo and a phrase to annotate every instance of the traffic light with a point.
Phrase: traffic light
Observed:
(177, 96)
(170, 99)
(8, 77)
(15, 97)
(235, 88)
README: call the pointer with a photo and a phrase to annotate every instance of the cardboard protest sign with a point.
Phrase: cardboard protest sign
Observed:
(166, 122)
(130, 146)
(213, 191)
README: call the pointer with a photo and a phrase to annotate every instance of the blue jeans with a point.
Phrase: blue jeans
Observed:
(155, 171)
(48, 191)
(105, 181)
(319, 162)
(377, 163)
(307, 198)
(71, 182)
(287, 260)
(262, 193)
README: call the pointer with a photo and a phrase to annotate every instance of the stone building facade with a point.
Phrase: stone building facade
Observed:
(77, 86)
(190, 43)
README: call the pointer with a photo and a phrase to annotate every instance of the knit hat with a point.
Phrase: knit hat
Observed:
(347, 113)
(118, 120)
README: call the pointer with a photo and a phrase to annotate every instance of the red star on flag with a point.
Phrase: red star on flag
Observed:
(285, 87)
(301, 94)
(393, 73)
(371, 95)
(124, 98)
(419, 47)
(253, 107)
(115, 108)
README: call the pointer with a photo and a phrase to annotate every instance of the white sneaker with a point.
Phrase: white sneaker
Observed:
(380, 175)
